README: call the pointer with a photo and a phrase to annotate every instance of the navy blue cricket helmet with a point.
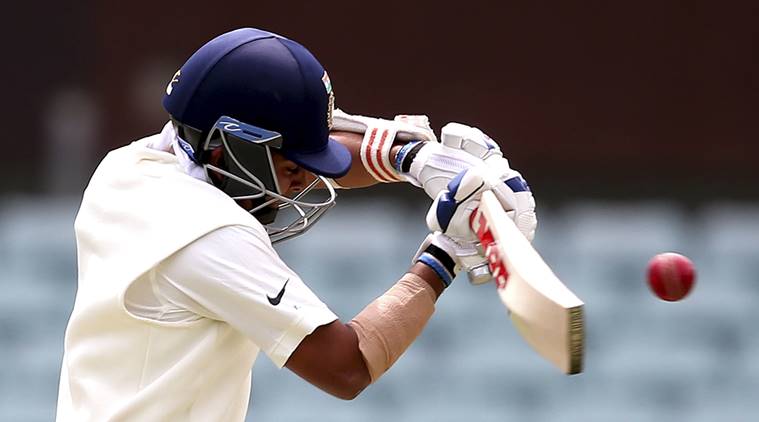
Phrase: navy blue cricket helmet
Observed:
(244, 94)
(264, 80)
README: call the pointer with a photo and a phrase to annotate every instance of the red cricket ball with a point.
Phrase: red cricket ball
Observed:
(671, 276)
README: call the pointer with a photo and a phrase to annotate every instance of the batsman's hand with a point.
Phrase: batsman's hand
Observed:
(406, 127)
(452, 240)
(434, 165)
(437, 249)
(452, 208)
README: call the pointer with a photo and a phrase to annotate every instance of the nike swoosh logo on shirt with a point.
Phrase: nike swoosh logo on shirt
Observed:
(275, 300)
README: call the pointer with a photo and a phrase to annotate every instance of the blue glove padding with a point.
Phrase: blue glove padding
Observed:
(451, 209)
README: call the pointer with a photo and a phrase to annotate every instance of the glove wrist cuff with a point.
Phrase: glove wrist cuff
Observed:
(405, 156)
(436, 255)
(445, 258)
(432, 261)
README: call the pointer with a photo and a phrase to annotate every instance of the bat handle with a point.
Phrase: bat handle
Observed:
(479, 274)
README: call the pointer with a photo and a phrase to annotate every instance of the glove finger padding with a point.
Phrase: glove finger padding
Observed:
(414, 127)
(461, 147)
(514, 194)
(379, 137)
(407, 126)
(433, 165)
(469, 139)
(516, 198)
(452, 207)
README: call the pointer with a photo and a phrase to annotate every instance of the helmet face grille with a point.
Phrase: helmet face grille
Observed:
(297, 216)
(245, 171)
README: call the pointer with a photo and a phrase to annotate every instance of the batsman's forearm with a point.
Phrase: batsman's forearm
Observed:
(389, 324)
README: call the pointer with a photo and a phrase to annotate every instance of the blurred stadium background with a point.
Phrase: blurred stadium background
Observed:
(635, 123)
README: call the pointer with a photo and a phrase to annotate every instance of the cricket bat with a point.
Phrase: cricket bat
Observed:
(543, 310)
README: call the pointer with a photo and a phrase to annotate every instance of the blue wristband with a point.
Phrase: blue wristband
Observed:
(401, 155)
(432, 262)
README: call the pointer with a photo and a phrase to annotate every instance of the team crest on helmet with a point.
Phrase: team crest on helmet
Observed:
(331, 102)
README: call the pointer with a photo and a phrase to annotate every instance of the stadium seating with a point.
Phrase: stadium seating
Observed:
(646, 360)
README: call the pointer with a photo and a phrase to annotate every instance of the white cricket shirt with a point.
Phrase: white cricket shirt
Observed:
(179, 289)
(216, 277)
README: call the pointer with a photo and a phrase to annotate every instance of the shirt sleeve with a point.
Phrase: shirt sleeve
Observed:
(234, 275)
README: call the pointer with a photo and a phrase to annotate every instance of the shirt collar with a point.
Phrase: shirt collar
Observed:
(168, 141)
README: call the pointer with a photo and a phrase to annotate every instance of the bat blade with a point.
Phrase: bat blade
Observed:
(544, 311)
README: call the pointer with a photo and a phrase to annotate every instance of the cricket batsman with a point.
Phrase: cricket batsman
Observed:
(179, 287)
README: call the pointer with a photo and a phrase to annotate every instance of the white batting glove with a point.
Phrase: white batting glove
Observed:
(517, 198)
(452, 247)
(452, 208)
(379, 137)
(432, 165)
